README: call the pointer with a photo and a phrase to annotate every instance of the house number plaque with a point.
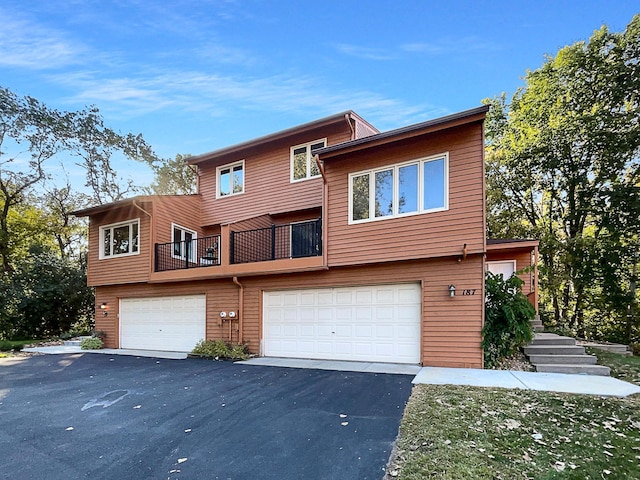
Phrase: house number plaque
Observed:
(469, 291)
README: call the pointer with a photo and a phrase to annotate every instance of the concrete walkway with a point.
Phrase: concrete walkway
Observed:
(57, 349)
(550, 382)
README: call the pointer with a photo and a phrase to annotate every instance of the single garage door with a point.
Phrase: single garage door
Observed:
(369, 324)
(173, 324)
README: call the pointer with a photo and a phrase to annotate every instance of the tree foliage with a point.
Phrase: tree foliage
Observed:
(507, 318)
(172, 176)
(563, 166)
(32, 138)
(44, 296)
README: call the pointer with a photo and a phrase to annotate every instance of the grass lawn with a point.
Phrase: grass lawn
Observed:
(8, 346)
(451, 432)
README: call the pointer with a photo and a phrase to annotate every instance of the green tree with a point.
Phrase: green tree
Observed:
(563, 166)
(172, 176)
(45, 296)
(33, 135)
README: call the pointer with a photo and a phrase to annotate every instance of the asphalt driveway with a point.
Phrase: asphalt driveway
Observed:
(101, 416)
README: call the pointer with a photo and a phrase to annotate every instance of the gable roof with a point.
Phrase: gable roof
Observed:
(460, 118)
(238, 148)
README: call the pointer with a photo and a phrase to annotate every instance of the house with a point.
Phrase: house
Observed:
(329, 240)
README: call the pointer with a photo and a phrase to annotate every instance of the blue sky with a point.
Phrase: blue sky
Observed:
(197, 75)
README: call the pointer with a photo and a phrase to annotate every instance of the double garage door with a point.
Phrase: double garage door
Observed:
(370, 324)
(172, 324)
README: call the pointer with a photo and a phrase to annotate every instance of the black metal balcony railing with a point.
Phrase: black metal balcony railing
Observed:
(198, 252)
(294, 240)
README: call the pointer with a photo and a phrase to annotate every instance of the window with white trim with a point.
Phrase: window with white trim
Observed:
(303, 166)
(409, 188)
(120, 239)
(230, 179)
(184, 244)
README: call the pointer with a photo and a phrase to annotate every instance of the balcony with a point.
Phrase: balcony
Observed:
(295, 240)
(194, 253)
(276, 244)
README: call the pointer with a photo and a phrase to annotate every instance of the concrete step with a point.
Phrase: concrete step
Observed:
(551, 339)
(563, 359)
(553, 350)
(579, 369)
(610, 347)
(76, 342)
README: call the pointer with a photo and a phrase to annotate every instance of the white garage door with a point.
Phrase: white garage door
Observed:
(173, 324)
(369, 324)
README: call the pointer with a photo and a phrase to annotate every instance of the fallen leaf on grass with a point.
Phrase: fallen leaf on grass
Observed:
(511, 424)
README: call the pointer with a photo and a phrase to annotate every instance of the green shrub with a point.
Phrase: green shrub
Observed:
(5, 346)
(635, 348)
(507, 318)
(219, 349)
(92, 343)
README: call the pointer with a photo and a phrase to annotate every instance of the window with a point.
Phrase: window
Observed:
(120, 239)
(410, 188)
(303, 166)
(184, 244)
(231, 179)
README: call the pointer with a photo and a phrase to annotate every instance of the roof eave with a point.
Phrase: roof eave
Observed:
(239, 147)
(449, 121)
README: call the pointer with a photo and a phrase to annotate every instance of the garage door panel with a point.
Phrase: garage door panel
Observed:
(372, 323)
(162, 323)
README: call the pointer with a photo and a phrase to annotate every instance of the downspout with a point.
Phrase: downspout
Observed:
(347, 118)
(240, 308)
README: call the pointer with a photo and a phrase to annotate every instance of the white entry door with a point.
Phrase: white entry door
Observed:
(370, 323)
(173, 324)
(504, 267)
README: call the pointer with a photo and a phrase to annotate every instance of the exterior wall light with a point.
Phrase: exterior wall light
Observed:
(452, 290)
(105, 309)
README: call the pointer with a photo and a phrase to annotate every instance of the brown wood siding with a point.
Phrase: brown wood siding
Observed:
(128, 269)
(165, 210)
(450, 327)
(418, 236)
(183, 211)
(523, 260)
(267, 187)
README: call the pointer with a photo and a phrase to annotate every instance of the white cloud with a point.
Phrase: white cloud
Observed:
(364, 52)
(449, 46)
(203, 92)
(25, 44)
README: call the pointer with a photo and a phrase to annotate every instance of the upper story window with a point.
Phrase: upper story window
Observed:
(120, 239)
(410, 188)
(230, 179)
(183, 242)
(302, 164)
